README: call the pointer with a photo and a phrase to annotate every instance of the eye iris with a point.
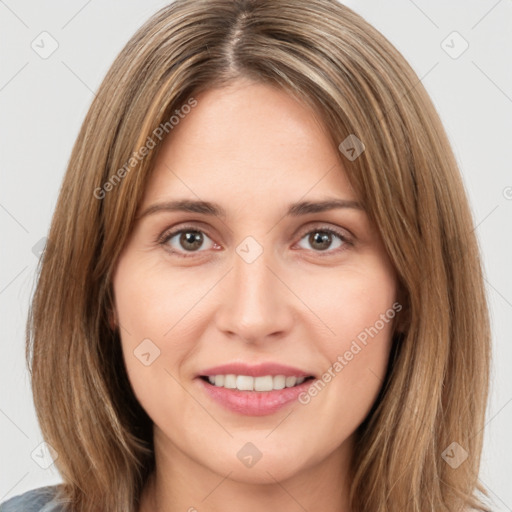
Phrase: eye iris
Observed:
(194, 238)
(320, 237)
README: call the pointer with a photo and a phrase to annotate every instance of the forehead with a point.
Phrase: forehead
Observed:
(248, 143)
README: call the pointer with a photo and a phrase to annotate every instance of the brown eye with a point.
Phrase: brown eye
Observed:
(186, 240)
(321, 240)
(191, 240)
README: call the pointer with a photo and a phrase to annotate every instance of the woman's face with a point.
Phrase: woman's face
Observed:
(279, 292)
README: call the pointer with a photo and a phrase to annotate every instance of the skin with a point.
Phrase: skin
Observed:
(253, 149)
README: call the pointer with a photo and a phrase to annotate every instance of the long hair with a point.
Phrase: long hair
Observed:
(431, 407)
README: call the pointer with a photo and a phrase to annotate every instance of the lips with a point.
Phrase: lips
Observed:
(249, 401)
(259, 370)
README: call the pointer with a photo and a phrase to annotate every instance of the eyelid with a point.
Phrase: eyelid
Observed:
(172, 232)
(176, 229)
(344, 234)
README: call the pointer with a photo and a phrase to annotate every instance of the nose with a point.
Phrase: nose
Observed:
(256, 305)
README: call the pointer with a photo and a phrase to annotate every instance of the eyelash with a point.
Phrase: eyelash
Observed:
(168, 235)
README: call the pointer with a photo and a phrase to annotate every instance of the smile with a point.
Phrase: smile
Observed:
(264, 400)
(248, 383)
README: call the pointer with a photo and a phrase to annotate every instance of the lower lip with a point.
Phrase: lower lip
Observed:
(254, 403)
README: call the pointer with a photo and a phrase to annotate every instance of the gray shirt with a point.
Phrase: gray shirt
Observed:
(36, 500)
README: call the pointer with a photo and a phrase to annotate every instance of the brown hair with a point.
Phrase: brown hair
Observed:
(435, 391)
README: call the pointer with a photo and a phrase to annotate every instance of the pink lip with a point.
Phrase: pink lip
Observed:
(259, 370)
(253, 403)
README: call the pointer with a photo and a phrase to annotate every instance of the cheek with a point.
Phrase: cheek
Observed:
(142, 319)
(152, 302)
(359, 307)
(158, 313)
(352, 299)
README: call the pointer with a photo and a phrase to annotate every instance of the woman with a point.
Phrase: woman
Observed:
(262, 289)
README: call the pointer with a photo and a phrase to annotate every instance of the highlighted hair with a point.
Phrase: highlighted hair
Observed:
(436, 388)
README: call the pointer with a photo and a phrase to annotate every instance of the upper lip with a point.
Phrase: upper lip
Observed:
(255, 370)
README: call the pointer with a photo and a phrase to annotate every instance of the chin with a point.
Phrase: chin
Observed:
(262, 461)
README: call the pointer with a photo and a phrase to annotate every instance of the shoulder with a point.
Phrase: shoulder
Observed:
(35, 500)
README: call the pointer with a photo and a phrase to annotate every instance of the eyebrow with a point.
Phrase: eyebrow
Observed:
(209, 208)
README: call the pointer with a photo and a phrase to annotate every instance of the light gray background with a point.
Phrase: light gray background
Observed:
(43, 103)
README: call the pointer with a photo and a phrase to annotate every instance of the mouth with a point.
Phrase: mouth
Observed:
(254, 396)
(254, 389)
(263, 383)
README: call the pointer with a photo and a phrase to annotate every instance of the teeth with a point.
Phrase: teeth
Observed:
(230, 381)
(263, 383)
(247, 383)
(243, 383)
(290, 381)
(279, 381)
